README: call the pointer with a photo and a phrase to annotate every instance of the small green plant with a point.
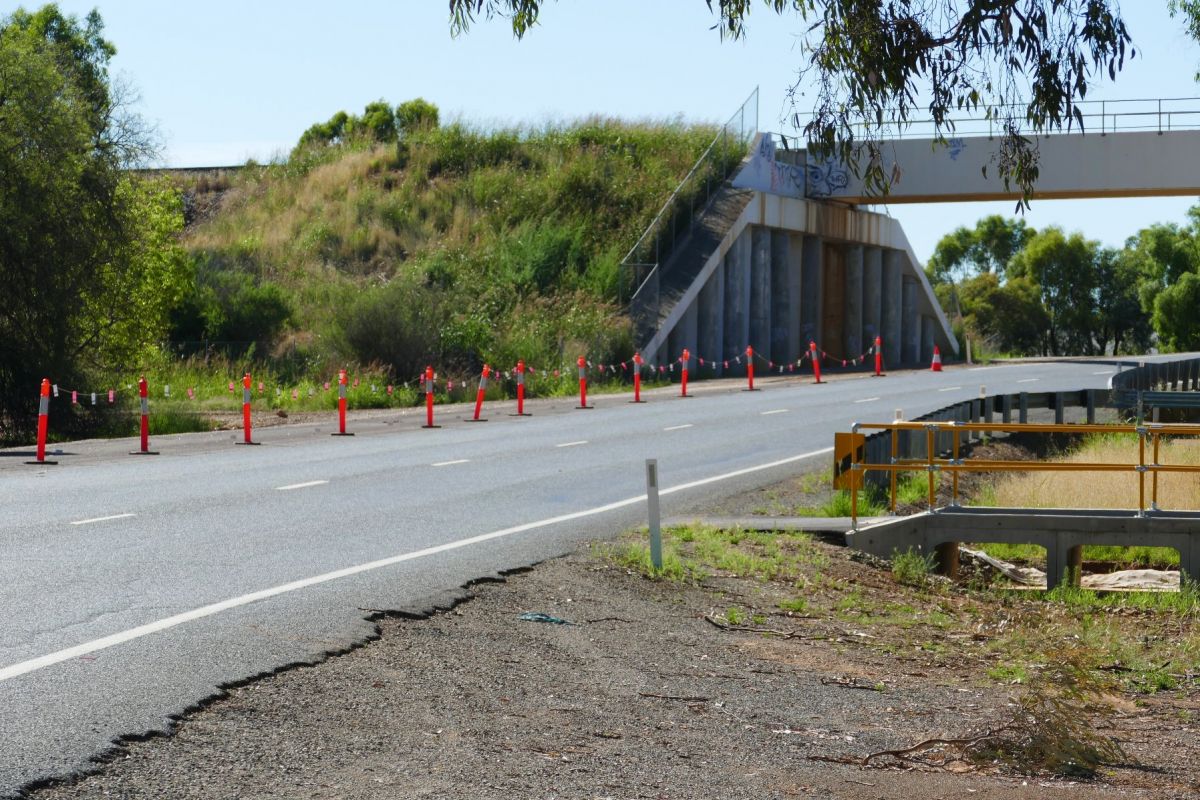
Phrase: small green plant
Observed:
(734, 615)
(912, 568)
(794, 605)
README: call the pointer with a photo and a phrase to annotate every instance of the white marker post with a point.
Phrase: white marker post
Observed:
(652, 507)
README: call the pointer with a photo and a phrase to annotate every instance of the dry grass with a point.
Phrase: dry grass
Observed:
(1180, 491)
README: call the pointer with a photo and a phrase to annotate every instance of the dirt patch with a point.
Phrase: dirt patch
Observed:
(649, 691)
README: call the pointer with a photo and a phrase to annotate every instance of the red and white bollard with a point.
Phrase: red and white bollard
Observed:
(479, 394)
(43, 423)
(341, 431)
(687, 356)
(144, 398)
(246, 394)
(521, 389)
(429, 399)
(750, 369)
(582, 364)
(936, 366)
(878, 357)
(637, 378)
(816, 361)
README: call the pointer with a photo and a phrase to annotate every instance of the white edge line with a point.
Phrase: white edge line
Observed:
(678, 427)
(867, 400)
(776, 411)
(290, 487)
(572, 444)
(102, 519)
(50, 659)
(451, 463)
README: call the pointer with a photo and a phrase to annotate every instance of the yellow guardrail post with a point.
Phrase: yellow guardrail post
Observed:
(1154, 484)
(1141, 471)
(929, 446)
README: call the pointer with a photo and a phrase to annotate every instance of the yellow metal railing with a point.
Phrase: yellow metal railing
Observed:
(1148, 432)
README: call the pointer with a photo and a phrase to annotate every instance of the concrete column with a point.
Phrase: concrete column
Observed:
(737, 298)
(852, 334)
(927, 340)
(781, 310)
(872, 295)
(711, 321)
(890, 314)
(795, 346)
(811, 291)
(910, 325)
(760, 291)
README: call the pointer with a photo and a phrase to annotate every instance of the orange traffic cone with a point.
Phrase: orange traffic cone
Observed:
(937, 360)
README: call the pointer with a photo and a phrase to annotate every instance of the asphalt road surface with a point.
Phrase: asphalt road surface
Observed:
(132, 588)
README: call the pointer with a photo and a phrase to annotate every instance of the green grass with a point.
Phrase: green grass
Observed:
(1119, 557)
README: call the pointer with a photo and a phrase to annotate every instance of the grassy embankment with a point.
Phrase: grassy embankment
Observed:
(455, 248)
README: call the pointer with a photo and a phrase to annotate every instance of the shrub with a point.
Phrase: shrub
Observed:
(911, 568)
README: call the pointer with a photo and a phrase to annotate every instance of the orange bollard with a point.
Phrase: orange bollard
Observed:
(246, 384)
(637, 378)
(582, 363)
(479, 394)
(687, 356)
(521, 389)
(341, 431)
(144, 397)
(750, 369)
(43, 423)
(429, 399)
(878, 357)
(816, 361)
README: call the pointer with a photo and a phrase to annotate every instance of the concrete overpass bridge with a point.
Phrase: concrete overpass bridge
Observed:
(784, 254)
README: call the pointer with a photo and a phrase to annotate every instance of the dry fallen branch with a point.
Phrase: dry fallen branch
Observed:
(684, 698)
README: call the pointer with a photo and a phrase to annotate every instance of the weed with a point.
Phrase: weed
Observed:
(734, 615)
(795, 605)
(911, 568)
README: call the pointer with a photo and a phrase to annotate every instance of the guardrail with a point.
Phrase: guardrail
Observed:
(1139, 381)
(932, 464)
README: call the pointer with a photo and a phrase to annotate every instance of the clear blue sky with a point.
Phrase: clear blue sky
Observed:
(230, 80)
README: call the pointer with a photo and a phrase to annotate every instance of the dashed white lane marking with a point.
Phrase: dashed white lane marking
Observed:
(775, 411)
(57, 657)
(678, 427)
(305, 485)
(1029, 380)
(572, 444)
(102, 519)
(867, 400)
(451, 463)
(1103, 372)
(950, 389)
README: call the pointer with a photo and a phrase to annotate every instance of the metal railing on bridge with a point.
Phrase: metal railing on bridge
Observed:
(670, 225)
(1160, 115)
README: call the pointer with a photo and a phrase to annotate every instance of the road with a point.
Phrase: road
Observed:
(133, 588)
